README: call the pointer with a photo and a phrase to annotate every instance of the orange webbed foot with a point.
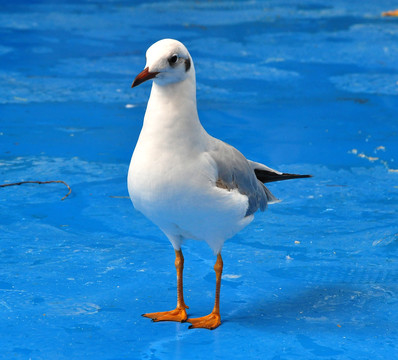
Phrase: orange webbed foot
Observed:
(178, 314)
(211, 321)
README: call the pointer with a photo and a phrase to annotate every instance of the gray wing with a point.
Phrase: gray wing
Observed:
(236, 172)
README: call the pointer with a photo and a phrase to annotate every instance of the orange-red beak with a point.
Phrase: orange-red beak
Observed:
(143, 76)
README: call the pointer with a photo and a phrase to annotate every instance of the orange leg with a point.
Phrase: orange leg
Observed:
(212, 320)
(179, 313)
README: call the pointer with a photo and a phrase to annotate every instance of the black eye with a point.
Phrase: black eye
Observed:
(173, 59)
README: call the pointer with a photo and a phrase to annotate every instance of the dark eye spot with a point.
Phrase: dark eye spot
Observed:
(187, 64)
(173, 59)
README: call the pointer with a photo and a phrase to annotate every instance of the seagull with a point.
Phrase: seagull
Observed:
(188, 183)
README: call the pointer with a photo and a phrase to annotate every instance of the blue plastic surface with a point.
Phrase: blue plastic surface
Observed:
(304, 86)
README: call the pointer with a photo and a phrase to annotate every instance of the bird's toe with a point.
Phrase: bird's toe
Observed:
(210, 322)
(178, 314)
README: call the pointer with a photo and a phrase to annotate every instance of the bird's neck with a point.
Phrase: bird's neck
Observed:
(172, 113)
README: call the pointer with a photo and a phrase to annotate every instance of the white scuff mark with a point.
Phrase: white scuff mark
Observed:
(17, 98)
(77, 309)
(289, 258)
(370, 158)
(315, 319)
(231, 276)
(276, 59)
(4, 304)
(108, 268)
(129, 106)
(367, 83)
(377, 242)
(71, 129)
(374, 158)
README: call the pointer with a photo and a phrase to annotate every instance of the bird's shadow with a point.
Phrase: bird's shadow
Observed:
(328, 307)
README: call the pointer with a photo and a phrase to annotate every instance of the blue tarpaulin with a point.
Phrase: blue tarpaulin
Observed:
(304, 86)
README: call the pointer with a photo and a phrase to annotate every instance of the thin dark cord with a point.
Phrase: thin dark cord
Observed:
(41, 182)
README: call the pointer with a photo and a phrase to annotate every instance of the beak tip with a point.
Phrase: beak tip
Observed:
(143, 76)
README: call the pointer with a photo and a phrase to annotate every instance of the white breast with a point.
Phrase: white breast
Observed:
(178, 193)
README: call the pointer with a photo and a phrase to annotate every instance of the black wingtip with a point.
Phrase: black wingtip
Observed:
(295, 176)
(266, 176)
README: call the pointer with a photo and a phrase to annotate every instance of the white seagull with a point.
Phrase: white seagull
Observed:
(190, 184)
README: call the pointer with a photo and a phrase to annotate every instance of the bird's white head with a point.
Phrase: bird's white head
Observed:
(167, 62)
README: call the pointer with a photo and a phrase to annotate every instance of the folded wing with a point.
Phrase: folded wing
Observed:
(236, 172)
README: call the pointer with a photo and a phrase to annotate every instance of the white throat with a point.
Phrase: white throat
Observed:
(172, 112)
